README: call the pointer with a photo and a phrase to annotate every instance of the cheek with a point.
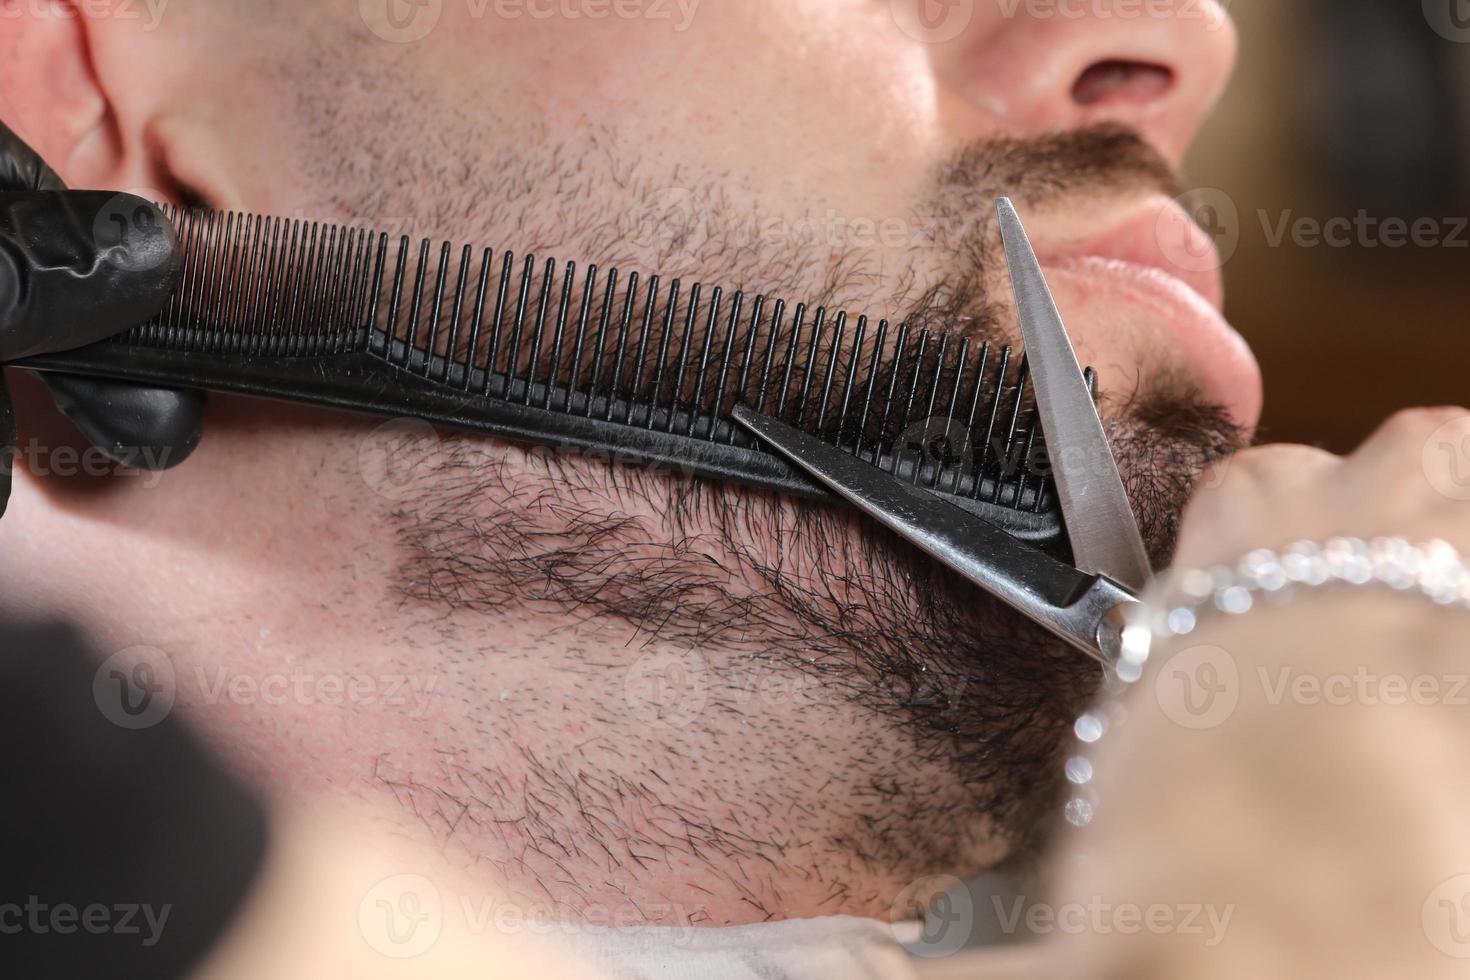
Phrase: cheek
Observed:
(745, 93)
(266, 529)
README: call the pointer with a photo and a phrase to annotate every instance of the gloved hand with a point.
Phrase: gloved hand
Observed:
(70, 275)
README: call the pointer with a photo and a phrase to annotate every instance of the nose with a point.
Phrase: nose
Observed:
(1157, 66)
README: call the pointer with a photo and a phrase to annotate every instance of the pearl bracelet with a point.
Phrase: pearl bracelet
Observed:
(1181, 600)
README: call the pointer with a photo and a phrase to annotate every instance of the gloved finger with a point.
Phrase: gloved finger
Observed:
(106, 262)
(21, 169)
(78, 266)
(147, 428)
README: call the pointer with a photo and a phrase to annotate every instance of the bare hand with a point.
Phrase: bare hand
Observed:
(1286, 797)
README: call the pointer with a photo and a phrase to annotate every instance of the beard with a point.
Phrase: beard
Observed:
(746, 578)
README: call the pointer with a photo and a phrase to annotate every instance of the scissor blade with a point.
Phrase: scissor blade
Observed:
(1056, 596)
(1099, 518)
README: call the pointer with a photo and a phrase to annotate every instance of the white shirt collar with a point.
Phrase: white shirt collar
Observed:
(796, 949)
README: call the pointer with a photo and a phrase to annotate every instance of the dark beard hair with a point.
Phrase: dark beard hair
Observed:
(806, 587)
(797, 585)
(801, 588)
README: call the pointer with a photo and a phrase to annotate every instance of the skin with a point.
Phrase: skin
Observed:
(1361, 804)
(302, 919)
(1370, 831)
(780, 775)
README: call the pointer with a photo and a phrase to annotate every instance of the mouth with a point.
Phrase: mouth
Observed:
(1164, 272)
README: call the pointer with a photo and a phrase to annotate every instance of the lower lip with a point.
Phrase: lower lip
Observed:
(1208, 347)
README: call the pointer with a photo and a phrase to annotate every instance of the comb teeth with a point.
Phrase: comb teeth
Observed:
(487, 333)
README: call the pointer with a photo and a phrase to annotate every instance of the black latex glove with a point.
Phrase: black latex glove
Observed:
(76, 267)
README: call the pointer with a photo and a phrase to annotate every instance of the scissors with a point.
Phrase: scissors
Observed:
(1084, 603)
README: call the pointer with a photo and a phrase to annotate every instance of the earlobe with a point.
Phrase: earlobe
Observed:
(51, 94)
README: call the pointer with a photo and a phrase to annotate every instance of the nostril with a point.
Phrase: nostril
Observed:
(1121, 81)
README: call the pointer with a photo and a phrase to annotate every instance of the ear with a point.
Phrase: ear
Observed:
(52, 95)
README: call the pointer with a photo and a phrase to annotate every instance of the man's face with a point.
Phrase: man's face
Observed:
(614, 690)
(827, 148)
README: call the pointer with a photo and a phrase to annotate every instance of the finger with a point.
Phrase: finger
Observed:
(1253, 498)
(21, 169)
(1414, 474)
(78, 266)
(1400, 439)
(148, 428)
(1415, 456)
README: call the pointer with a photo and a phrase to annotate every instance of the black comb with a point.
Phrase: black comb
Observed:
(642, 371)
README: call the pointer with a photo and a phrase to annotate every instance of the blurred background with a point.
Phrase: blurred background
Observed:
(1359, 111)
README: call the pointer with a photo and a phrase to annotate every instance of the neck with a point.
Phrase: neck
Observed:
(571, 757)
